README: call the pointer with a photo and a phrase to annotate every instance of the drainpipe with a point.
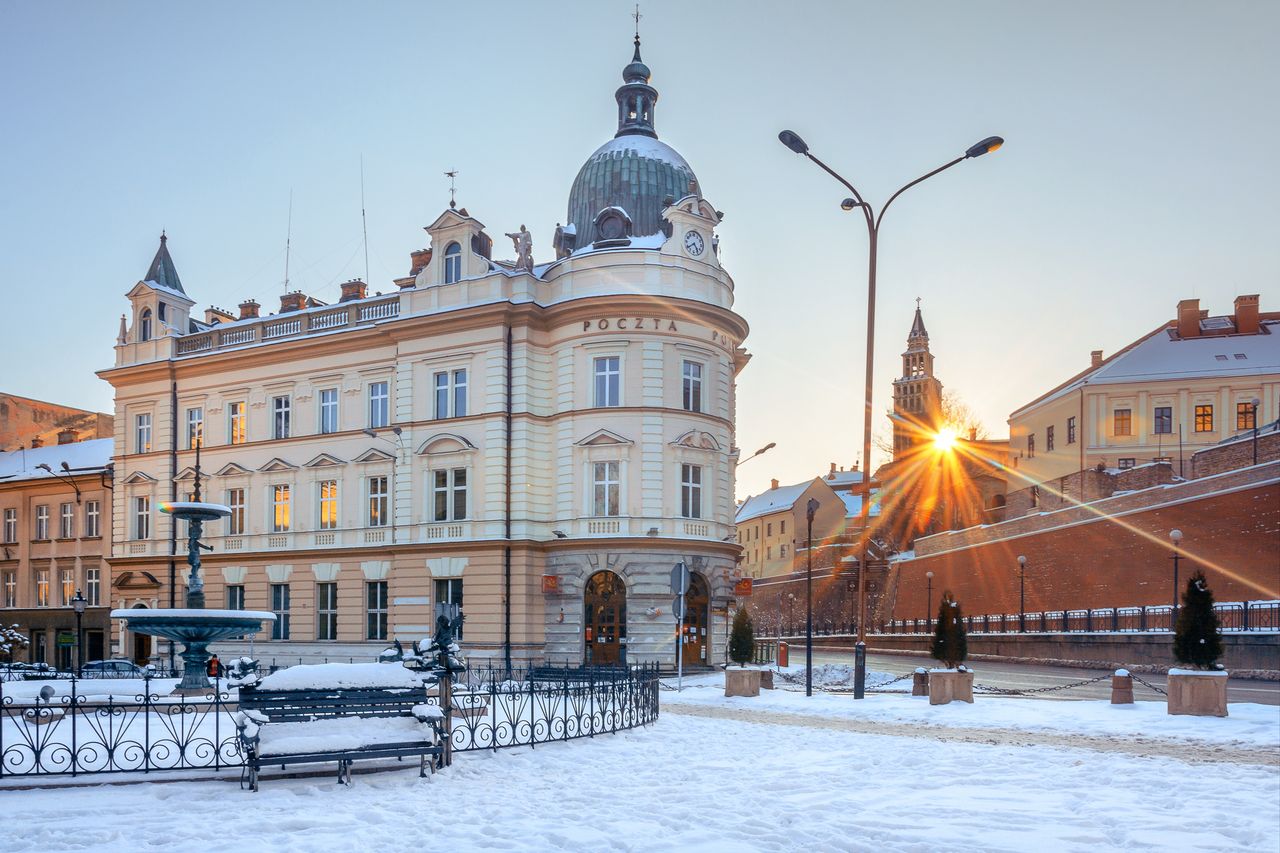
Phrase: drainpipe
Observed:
(506, 551)
(173, 496)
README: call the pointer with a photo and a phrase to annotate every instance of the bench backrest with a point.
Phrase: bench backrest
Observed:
(301, 705)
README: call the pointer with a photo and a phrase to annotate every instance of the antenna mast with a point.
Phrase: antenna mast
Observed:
(288, 237)
(364, 222)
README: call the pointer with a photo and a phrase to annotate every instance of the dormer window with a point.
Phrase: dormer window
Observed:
(452, 263)
(144, 325)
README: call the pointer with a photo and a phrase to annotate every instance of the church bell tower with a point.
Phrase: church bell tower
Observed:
(917, 395)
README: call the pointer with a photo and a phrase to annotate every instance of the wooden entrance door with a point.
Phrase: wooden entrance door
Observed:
(695, 644)
(604, 620)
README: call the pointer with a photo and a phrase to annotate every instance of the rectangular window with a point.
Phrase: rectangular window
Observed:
(604, 488)
(783, 528)
(237, 423)
(1122, 422)
(195, 428)
(142, 434)
(142, 518)
(10, 589)
(10, 526)
(326, 611)
(1163, 420)
(378, 510)
(68, 584)
(42, 522)
(93, 585)
(1048, 439)
(282, 410)
(1126, 462)
(1071, 430)
(448, 595)
(449, 494)
(691, 491)
(768, 529)
(1246, 415)
(379, 405)
(691, 386)
(42, 588)
(235, 521)
(92, 519)
(376, 610)
(279, 508)
(1031, 445)
(768, 552)
(329, 505)
(451, 393)
(782, 550)
(608, 381)
(328, 410)
(67, 521)
(235, 597)
(1204, 418)
(280, 607)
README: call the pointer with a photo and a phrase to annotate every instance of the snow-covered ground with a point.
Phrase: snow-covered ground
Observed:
(718, 783)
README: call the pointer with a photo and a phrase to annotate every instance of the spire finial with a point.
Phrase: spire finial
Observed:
(917, 303)
(453, 188)
(636, 14)
(162, 237)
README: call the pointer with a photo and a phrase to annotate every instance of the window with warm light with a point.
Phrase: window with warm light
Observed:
(280, 508)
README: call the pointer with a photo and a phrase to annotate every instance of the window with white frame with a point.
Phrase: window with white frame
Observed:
(93, 585)
(144, 323)
(195, 428)
(142, 517)
(378, 500)
(604, 488)
(235, 596)
(327, 611)
(691, 491)
(691, 386)
(449, 494)
(376, 610)
(328, 410)
(237, 423)
(92, 519)
(142, 433)
(328, 505)
(280, 607)
(607, 381)
(42, 522)
(68, 577)
(235, 521)
(10, 588)
(451, 393)
(280, 508)
(448, 594)
(379, 405)
(10, 526)
(281, 416)
(452, 263)
(67, 521)
(42, 588)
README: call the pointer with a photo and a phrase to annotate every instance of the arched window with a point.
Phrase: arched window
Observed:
(144, 325)
(452, 263)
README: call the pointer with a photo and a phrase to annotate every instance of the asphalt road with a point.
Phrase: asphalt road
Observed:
(1022, 676)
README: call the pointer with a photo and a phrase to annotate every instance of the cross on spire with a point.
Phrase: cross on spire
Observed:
(917, 302)
(636, 14)
(453, 188)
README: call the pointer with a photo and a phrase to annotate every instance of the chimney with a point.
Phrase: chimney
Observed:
(39, 442)
(249, 309)
(213, 316)
(1189, 318)
(68, 436)
(293, 301)
(1095, 358)
(832, 475)
(1247, 314)
(418, 261)
(354, 289)
(773, 484)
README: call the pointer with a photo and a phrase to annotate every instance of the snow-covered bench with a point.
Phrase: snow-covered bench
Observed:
(338, 712)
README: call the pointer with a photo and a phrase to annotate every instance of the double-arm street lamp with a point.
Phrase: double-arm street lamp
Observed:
(873, 221)
(811, 510)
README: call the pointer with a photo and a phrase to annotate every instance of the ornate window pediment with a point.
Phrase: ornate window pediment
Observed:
(231, 469)
(278, 464)
(139, 477)
(603, 437)
(324, 460)
(374, 454)
(698, 440)
(445, 442)
(186, 474)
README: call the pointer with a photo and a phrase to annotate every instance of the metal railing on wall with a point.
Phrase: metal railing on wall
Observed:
(1233, 616)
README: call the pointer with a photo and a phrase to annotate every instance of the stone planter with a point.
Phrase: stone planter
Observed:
(920, 682)
(1122, 688)
(1198, 694)
(947, 685)
(766, 679)
(741, 682)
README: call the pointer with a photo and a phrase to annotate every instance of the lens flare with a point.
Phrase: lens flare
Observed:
(945, 440)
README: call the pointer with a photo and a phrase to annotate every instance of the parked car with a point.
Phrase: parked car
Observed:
(112, 669)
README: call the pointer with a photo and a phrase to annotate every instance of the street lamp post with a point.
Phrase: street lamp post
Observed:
(1254, 403)
(928, 602)
(1176, 536)
(770, 446)
(1022, 594)
(78, 604)
(810, 511)
(873, 221)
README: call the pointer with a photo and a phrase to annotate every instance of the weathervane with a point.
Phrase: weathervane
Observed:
(453, 189)
(636, 14)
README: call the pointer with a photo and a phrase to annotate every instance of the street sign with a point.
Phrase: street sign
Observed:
(677, 607)
(742, 589)
(680, 579)
(66, 638)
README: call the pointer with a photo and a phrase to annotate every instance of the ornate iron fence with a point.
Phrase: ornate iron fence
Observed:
(1233, 616)
(72, 727)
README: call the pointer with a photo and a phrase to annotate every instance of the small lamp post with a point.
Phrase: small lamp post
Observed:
(1176, 536)
(811, 510)
(78, 604)
(928, 602)
(1022, 594)
(1254, 403)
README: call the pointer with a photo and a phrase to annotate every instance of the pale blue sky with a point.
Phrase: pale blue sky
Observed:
(1139, 169)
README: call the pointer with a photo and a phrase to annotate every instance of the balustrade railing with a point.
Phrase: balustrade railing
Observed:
(1232, 616)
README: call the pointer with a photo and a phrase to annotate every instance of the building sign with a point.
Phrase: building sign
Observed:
(66, 638)
(742, 589)
(550, 584)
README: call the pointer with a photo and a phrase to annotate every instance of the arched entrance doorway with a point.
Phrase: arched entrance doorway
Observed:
(141, 643)
(695, 648)
(604, 617)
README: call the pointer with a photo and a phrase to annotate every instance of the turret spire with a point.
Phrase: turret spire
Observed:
(162, 270)
(636, 98)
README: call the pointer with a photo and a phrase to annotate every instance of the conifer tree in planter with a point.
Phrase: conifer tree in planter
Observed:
(1201, 689)
(742, 642)
(950, 647)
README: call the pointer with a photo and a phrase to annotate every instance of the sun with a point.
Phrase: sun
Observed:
(945, 440)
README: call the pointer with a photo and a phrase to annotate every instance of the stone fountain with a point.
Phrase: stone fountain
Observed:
(194, 626)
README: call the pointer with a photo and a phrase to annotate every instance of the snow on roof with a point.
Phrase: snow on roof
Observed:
(21, 464)
(783, 497)
(644, 146)
(649, 241)
(843, 478)
(178, 294)
(853, 503)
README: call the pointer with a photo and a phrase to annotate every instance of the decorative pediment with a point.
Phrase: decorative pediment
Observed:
(324, 460)
(373, 454)
(451, 218)
(139, 477)
(231, 469)
(698, 440)
(603, 437)
(445, 442)
(186, 474)
(135, 580)
(278, 464)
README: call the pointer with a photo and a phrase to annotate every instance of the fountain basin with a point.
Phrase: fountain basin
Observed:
(196, 628)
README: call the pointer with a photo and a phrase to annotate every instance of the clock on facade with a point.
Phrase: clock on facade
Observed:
(693, 243)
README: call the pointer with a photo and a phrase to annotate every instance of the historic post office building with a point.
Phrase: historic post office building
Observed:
(538, 442)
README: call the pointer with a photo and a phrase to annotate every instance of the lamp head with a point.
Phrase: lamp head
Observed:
(369, 433)
(929, 575)
(397, 430)
(794, 142)
(1175, 535)
(986, 146)
(848, 204)
(44, 466)
(67, 468)
(1022, 561)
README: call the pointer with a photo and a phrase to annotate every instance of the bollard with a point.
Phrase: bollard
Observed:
(920, 682)
(784, 653)
(1122, 688)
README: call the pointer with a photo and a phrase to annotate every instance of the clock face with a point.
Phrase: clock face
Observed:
(693, 243)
